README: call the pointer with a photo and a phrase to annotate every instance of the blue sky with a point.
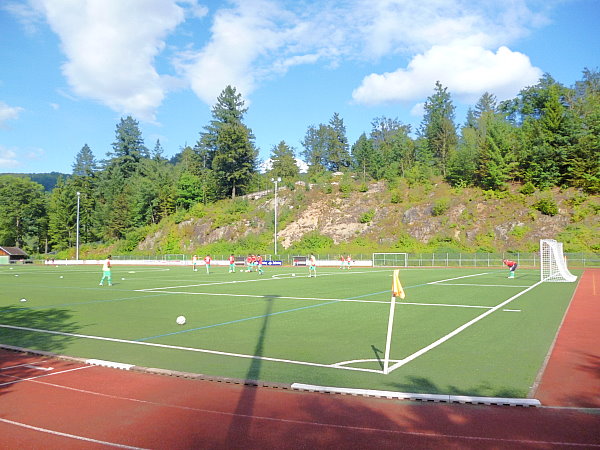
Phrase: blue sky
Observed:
(71, 69)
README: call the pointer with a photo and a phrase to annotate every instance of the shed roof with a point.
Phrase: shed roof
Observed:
(13, 251)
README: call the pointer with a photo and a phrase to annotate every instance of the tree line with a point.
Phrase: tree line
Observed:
(549, 135)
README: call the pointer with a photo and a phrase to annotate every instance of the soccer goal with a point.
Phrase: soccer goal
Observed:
(390, 259)
(553, 264)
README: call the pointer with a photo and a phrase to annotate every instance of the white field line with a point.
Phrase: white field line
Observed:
(459, 278)
(271, 278)
(460, 329)
(190, 349)
(215, 294)
(478, 285)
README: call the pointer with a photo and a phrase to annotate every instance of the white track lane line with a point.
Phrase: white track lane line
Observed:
(20, 380)
(67, 435)
(314, 423)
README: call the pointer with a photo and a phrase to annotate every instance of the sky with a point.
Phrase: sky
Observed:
(71, 69)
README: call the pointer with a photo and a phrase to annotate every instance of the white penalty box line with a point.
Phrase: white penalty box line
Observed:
(168, 290)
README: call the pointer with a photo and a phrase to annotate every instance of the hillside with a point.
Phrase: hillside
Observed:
(382, 218)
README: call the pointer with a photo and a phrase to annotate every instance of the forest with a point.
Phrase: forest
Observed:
(547, 136)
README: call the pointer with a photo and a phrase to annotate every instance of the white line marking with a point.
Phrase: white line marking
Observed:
(318, 424)
(458, 278)
(478, 285)
(460, 329)
(20, 380)
(176, 347)
(340, 300)
(272, 278)
(67, 435)
(30, 366)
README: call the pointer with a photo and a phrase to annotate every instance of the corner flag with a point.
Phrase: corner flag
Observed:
(397, 290)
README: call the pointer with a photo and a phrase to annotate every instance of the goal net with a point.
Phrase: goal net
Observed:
(553, 264)
(390, 259)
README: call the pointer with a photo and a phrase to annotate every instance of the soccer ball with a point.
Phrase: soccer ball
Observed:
(181, 320)
(293, 274)
(23, 299)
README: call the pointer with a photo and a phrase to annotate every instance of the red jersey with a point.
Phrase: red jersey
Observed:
(232, 259)
(259, 259)
(207, 260)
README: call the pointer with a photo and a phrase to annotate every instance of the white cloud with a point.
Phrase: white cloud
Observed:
(454, 39)
(8, 158)
(8, 113)
(466, 70)
(245, 43)
(111, 46)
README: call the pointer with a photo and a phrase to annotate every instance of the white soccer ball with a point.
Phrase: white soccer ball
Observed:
(181, 320)
(60, 276)
(293, 274)
(23, 299)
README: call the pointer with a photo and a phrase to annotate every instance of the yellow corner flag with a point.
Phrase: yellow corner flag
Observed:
(397, 290)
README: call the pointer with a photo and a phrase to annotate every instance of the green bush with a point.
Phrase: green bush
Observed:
(520, 231)
(546, 206)
(440, 207)
(367, 217)
(313, 242)
(528, 188)
(396, 197)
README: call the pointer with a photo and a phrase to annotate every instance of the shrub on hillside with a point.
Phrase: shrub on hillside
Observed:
(440, 207)
(528, 188)
(546, 206)
(367, 217)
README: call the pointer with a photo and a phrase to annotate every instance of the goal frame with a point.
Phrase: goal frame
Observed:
(390, 259)
(553, 267)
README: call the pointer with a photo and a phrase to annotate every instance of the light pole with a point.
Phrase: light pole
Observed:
(276, 180)
(77, 244)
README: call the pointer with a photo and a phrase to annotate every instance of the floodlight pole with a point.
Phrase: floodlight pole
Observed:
(275, 180)
(77, 244)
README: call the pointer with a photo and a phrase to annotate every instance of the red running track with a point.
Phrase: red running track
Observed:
(52, 403)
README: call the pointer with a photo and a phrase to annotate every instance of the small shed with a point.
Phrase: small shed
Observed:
(14, 254)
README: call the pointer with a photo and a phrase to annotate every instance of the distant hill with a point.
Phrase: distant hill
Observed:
(48, 180)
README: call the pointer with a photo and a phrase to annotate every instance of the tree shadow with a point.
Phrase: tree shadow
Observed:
(17, 328)
(242, 418)
(423, 385)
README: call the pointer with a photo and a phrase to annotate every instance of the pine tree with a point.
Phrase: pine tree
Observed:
(283, 161)
(128, 148)
(85, 164)
(438, 128)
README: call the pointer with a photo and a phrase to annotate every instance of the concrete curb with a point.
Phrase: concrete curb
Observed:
(437, 398)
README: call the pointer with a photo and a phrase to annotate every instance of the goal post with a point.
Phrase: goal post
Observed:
(390, 259)
(553, 267)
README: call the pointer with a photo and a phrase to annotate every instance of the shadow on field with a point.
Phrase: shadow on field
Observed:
(422, 385)
(14, 325)
(242, 419)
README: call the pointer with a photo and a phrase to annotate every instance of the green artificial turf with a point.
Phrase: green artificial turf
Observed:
(282, 328)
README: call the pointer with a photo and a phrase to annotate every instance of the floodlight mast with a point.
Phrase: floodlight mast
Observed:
(77, 244)
(275, 180)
